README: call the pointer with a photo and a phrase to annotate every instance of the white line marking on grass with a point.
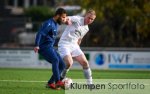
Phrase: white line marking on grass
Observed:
(31, 81)
(22, 81)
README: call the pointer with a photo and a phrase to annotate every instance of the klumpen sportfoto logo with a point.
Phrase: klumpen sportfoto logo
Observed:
(108, 86)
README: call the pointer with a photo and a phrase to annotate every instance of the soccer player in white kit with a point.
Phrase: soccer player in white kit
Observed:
(68, 45)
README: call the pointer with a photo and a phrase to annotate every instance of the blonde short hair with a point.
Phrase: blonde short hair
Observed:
(91, 11)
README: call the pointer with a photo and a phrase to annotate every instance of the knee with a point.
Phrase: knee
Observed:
(85, 65)
(68, 61)
(68, 65)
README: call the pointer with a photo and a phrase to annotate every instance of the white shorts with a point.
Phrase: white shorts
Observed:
(73, 50)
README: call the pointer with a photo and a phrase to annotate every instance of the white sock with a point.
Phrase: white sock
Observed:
(64, 72)
(88, 75)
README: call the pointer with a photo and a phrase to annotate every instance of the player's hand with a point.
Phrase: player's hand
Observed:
(36, 49)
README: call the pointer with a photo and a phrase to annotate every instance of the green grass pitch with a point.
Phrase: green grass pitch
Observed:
(32, 81)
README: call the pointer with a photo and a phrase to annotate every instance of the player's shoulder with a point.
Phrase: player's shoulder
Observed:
(75, 17)
(48, 22)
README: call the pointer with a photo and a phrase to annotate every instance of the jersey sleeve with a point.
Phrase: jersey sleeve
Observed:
(37, 39)
(82, 31)
(43, 31)
(74, 18)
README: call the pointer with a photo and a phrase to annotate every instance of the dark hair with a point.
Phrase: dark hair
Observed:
(60, 11)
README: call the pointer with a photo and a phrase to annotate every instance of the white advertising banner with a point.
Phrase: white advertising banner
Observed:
(97, 59)
(120, 60)
(20, 58)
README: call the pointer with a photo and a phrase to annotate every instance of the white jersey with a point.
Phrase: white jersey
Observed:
(74, 31)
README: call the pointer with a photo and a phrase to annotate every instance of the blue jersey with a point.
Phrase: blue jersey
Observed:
(46, 34)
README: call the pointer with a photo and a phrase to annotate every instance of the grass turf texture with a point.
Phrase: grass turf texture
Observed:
(15, 81)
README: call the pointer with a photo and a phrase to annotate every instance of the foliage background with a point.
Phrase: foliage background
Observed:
(119, 23)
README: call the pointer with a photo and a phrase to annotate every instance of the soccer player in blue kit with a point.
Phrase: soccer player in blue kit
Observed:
(44, 42)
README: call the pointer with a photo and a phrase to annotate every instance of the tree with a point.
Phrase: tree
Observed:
(39, 13)
(124, 22)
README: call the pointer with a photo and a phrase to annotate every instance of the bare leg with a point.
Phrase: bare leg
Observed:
(68, 60)
(86, 69)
